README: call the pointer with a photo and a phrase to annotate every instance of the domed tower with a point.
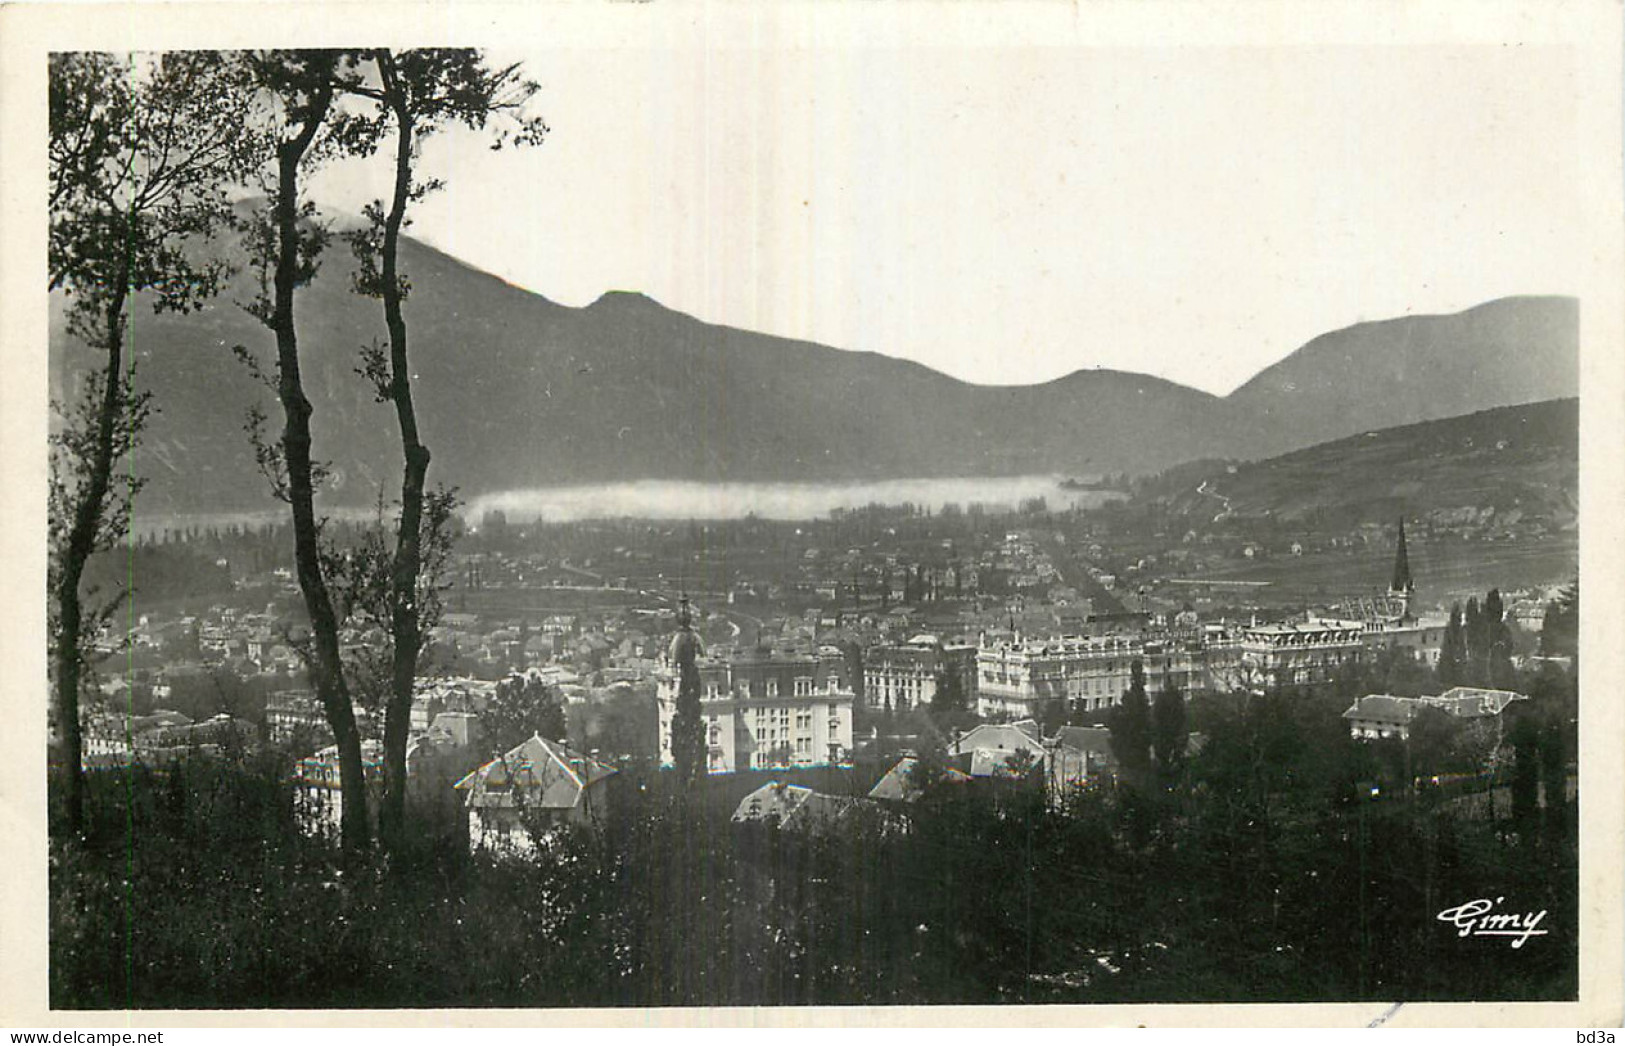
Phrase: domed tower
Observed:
(686, 647)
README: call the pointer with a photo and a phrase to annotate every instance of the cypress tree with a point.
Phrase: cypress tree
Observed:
(1169, 732)
(1560, 628)
(1452, 652)
(688, 724)
(1525, 737)
(552, 723)
(1498, 642)
(1473, 627)
(1131, 728)
(948, 700)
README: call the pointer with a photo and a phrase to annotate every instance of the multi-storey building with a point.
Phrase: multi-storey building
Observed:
(288, 713)
(1299, 653)
(1019, 679)
(1418, 638)
(900, 678)
(1387, 622)
(903, 677)
(764, 709)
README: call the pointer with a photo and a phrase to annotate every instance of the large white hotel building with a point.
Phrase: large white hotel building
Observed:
(766, 710)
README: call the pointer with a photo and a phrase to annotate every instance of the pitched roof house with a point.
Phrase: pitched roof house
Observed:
(545, 778)
(1077, 755)
(1472, 702)
(986, 750)
(897, 785)
(1383, 715)
(798, 807)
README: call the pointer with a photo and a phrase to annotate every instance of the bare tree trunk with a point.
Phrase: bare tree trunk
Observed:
(405, 612)
(326, 669)
(88, 510)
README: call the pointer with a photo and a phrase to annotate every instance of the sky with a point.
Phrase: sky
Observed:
(1009, 214)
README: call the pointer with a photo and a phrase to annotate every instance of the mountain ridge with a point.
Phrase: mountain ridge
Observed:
(628, 388)
(1409, 358)
(1521, 459)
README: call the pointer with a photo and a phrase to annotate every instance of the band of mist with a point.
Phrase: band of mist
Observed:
(668, 499)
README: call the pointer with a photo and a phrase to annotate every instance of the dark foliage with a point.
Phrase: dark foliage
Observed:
(1560, 630)
(1453, 651)
(1169, 733)
(1267, 881)
(521, 707)
(1477, 647)
(1131, 729)
(688, 749)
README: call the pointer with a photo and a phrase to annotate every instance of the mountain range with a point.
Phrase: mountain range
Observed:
(516, 391)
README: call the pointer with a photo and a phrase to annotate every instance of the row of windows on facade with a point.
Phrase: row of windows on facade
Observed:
(768, 755)
(1000, 672)
(778, 720)
(907, 688)
(760, 760)
(916, 678)
(1094, 684)
(803, 688)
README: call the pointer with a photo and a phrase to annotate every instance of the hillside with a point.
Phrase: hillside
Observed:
(1518, 466)
(514, 391)
(1414, 368)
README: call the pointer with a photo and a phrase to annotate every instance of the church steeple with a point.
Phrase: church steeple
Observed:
(1402, 583)
(1402, 587)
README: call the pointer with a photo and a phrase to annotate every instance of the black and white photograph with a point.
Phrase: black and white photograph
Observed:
(706, 508)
